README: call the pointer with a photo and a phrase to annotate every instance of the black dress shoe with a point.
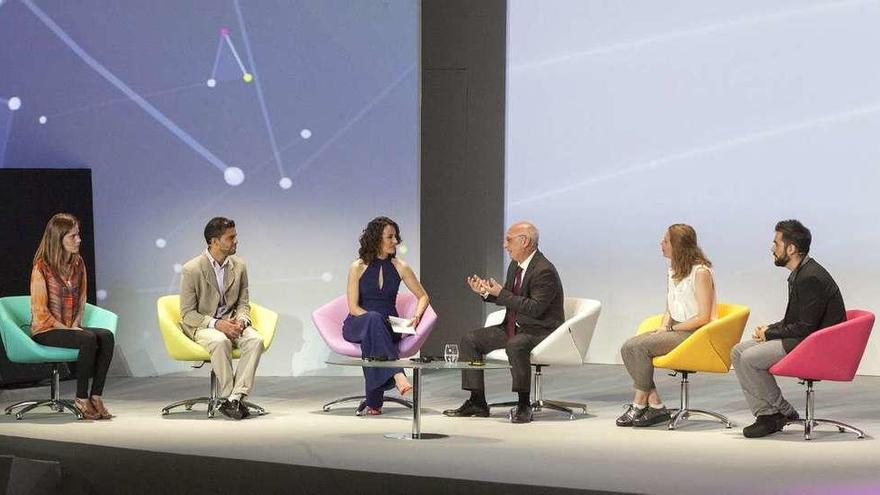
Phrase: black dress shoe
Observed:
(522, 414)
(792, 416)
(468, 409)
(243, 409)
(629, 414)
(651, 416)
(765, 424)
(231, 409)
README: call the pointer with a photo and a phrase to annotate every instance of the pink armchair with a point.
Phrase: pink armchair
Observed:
(329, 318)
(831, 353)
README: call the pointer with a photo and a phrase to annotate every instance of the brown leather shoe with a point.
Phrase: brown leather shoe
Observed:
(86, 409)
(99, 407)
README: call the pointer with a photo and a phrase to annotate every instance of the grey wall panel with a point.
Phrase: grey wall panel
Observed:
(462, 157)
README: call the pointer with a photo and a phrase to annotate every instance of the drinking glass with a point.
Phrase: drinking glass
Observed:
(450, 352)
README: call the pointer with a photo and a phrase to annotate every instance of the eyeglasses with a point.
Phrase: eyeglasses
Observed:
(510, 239)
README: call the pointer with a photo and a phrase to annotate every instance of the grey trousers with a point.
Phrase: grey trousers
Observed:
(220, 348)
(638, 352)
(751, 361)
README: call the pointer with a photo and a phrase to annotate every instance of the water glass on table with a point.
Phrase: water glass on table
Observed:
(450, 352)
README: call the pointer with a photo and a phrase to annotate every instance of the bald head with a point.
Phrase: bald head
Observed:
(521, 240)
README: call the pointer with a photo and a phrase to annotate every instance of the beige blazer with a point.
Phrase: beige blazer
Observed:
(200, 296)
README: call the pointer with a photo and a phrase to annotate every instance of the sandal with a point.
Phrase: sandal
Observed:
(407, 388)
(86, 409)
(402, 384)
(369, 411)
(100, 409)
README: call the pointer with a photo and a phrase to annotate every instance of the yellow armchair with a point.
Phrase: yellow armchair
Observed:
(707, 349)
(182, 348)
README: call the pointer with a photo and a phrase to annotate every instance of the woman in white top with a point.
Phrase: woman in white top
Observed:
(690, 304)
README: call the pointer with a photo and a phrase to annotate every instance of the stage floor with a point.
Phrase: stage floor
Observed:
(587, 453)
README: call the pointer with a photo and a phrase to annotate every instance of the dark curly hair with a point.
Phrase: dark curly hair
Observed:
(371, 238)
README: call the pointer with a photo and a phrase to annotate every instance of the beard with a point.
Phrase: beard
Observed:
(781, 260)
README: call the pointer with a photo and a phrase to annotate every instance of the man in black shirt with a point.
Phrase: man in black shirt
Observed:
(814, 302)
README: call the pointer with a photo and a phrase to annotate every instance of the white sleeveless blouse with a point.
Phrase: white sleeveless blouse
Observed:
(681, 297)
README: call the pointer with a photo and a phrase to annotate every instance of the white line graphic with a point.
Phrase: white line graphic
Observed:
(700, 31)
(709, 149)
(235, 54)
(134, 96)
(263, 108)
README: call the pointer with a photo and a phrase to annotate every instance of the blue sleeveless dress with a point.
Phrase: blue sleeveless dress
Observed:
(371, 330)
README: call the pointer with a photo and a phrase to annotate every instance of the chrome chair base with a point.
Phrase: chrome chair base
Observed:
(57, 405)
(684, 411)
(809, 427)
(810, 422)
(189, 403)
(213, 402)
(553, 405)
(213, 406)
(539, 404)
(679, 415)
(359, 411)
(54, 402)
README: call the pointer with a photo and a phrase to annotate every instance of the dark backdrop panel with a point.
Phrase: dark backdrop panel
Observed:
(462, 158)
(28, 199)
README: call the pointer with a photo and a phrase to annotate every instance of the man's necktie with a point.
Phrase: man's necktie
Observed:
(510, 321)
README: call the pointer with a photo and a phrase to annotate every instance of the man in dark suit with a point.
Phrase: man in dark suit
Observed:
(814, 302)
(532, 294)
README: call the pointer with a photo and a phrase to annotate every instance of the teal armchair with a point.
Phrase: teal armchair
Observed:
(15, 320)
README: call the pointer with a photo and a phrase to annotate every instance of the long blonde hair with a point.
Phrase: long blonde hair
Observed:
(51, 250)
(685, 251)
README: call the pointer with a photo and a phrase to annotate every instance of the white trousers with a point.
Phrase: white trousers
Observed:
(250, 342)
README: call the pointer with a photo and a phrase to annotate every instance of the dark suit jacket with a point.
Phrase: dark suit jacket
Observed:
(539, 305)
(814, 302)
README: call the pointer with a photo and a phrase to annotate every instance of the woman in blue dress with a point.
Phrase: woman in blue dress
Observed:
(373, 282)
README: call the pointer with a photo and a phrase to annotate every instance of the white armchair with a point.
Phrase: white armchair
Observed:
(566, 346)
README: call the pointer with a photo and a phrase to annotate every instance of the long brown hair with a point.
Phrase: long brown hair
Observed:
(685, 251)
(51, 250)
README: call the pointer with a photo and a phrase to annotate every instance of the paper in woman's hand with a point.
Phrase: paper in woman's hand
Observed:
(401, 325)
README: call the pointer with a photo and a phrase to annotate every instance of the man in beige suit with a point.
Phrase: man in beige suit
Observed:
(216, 314)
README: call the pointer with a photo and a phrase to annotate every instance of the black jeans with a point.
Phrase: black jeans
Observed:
(481, 341)
(95, 353)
